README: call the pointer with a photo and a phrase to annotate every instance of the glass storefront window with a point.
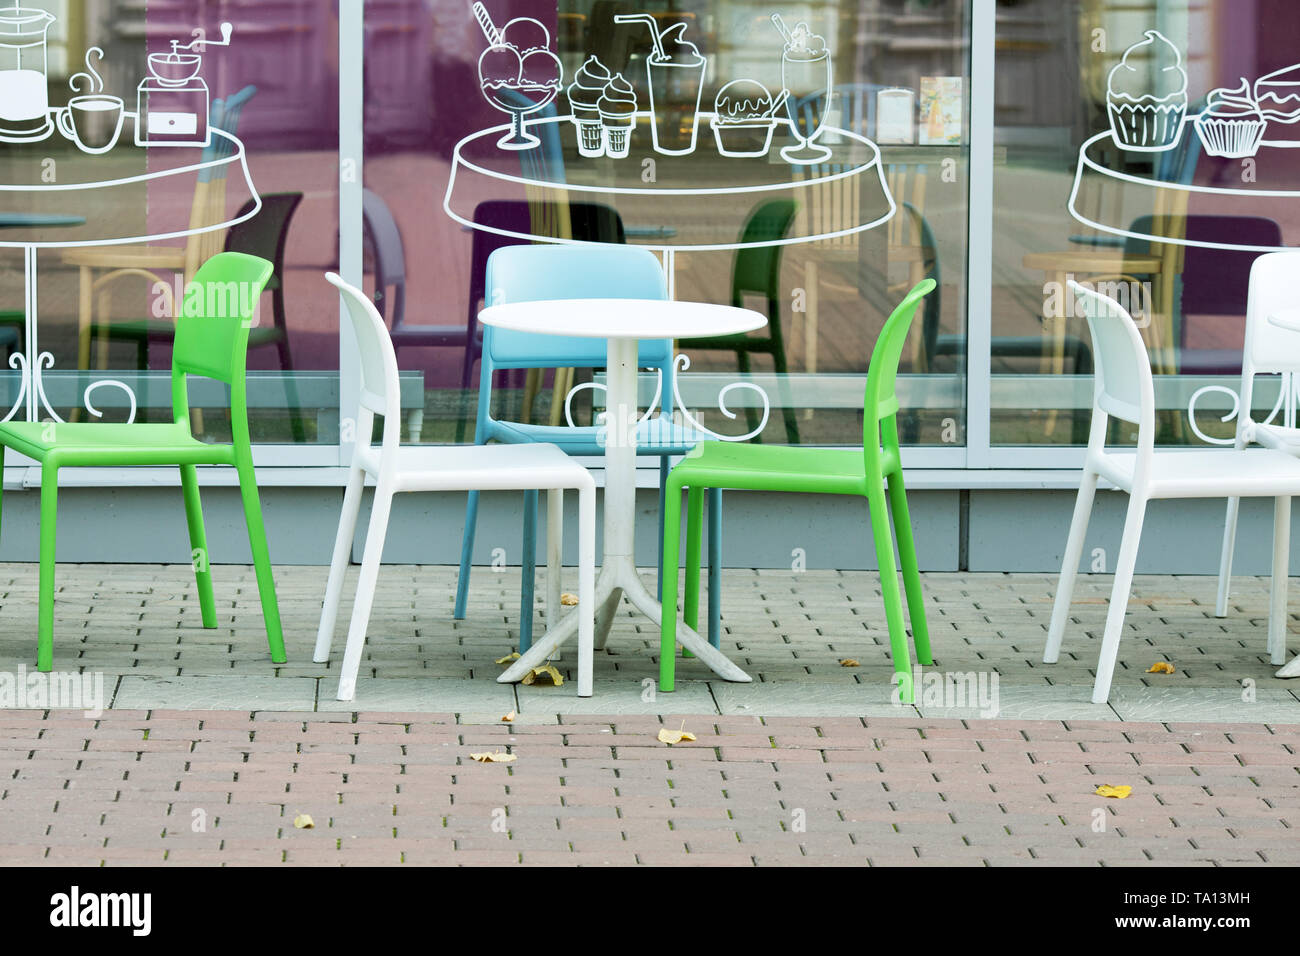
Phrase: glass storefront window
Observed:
(1146, 153)
(664, 125)
(168, 140)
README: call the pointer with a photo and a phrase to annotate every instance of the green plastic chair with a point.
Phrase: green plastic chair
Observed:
(209, 345)
(873, 472)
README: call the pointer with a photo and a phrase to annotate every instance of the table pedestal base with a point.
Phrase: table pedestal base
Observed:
(618, 577)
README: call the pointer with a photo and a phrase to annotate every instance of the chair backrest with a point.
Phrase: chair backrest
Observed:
(541, 272)
(267, 233)
(209, 203)
(880, 401)
(380, 394)
(385, 241)
(212, 330)
(1123, 384)
(757, 269)
(590, 222)
(1269, 349)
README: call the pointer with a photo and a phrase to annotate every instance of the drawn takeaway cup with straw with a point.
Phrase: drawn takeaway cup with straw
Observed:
(675, 76)
(517, 73)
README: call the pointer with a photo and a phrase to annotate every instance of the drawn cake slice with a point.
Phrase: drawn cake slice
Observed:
(1278, 98)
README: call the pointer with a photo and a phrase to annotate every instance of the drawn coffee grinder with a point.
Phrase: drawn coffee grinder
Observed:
(173, 101)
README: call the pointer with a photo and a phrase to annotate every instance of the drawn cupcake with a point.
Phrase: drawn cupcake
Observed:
(1147, 107)
(1231, 124)
(584, 95)
(743, 121)
(617, 105)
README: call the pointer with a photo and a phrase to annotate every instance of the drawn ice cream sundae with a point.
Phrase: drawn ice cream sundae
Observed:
(1231, 125)
(1278, 98)
(1146, 108)
(675, 76)
(806, 73)
(584, 98)
(744, 117)
(518, 73)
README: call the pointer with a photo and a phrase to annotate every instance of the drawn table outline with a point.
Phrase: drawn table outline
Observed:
(622, 323)
(1088, 170)
(667, 249)
(31, 391)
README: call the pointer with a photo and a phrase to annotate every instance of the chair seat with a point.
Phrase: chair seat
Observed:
(832, 471)
(657, 436)
(1211, 473)
(481, 467)
(92, 443)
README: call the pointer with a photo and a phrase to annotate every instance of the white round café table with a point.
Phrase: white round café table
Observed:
(622, 323)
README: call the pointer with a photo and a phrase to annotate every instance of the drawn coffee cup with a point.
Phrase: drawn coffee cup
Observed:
(92, 121)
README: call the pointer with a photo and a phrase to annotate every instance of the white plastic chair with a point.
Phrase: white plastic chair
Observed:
(1269, 350)
(1124, 389)
(447, 468)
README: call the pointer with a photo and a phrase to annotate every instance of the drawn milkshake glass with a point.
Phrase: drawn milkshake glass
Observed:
(675, 76)
(806, 73)
(24, 100)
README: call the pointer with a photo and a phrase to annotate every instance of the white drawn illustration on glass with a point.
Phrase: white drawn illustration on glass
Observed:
(172, 102)
(675, 72)
(517, 73)
(1147, 110)
(24, 97)
(806, 73)
(92, 121)
(659, 109)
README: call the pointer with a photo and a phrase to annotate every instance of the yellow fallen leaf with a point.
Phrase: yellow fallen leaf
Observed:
(848, 662)
(667, 736)
(1119, 793)
(546, 670)
(568, 600)
(492, 757)
(513, 656)
(303, 821)
(1161, 667)
(508, 717)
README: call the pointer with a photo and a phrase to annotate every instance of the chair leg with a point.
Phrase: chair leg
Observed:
(1070, 566)
(911, 572)
(466, 549)
(663, 484)
(1119, 595)
(586, 586)
(528, 572)
(694, 532)
(715, 566)
(554, 553)
(298, 432)
(339, 564)
(261, 559)
(199, 555)
(375, 535)
(668, 619)
(898, 648)
(1225, 559)
(49, 516)
(782, 371)
(1281, 563)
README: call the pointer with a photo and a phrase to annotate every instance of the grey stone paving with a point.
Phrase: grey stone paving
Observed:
(138, 625)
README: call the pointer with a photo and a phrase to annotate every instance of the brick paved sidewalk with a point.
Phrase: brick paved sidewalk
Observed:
(214, 787)
(137, 625)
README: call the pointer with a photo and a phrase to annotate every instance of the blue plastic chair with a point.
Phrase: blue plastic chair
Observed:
(534, 273)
